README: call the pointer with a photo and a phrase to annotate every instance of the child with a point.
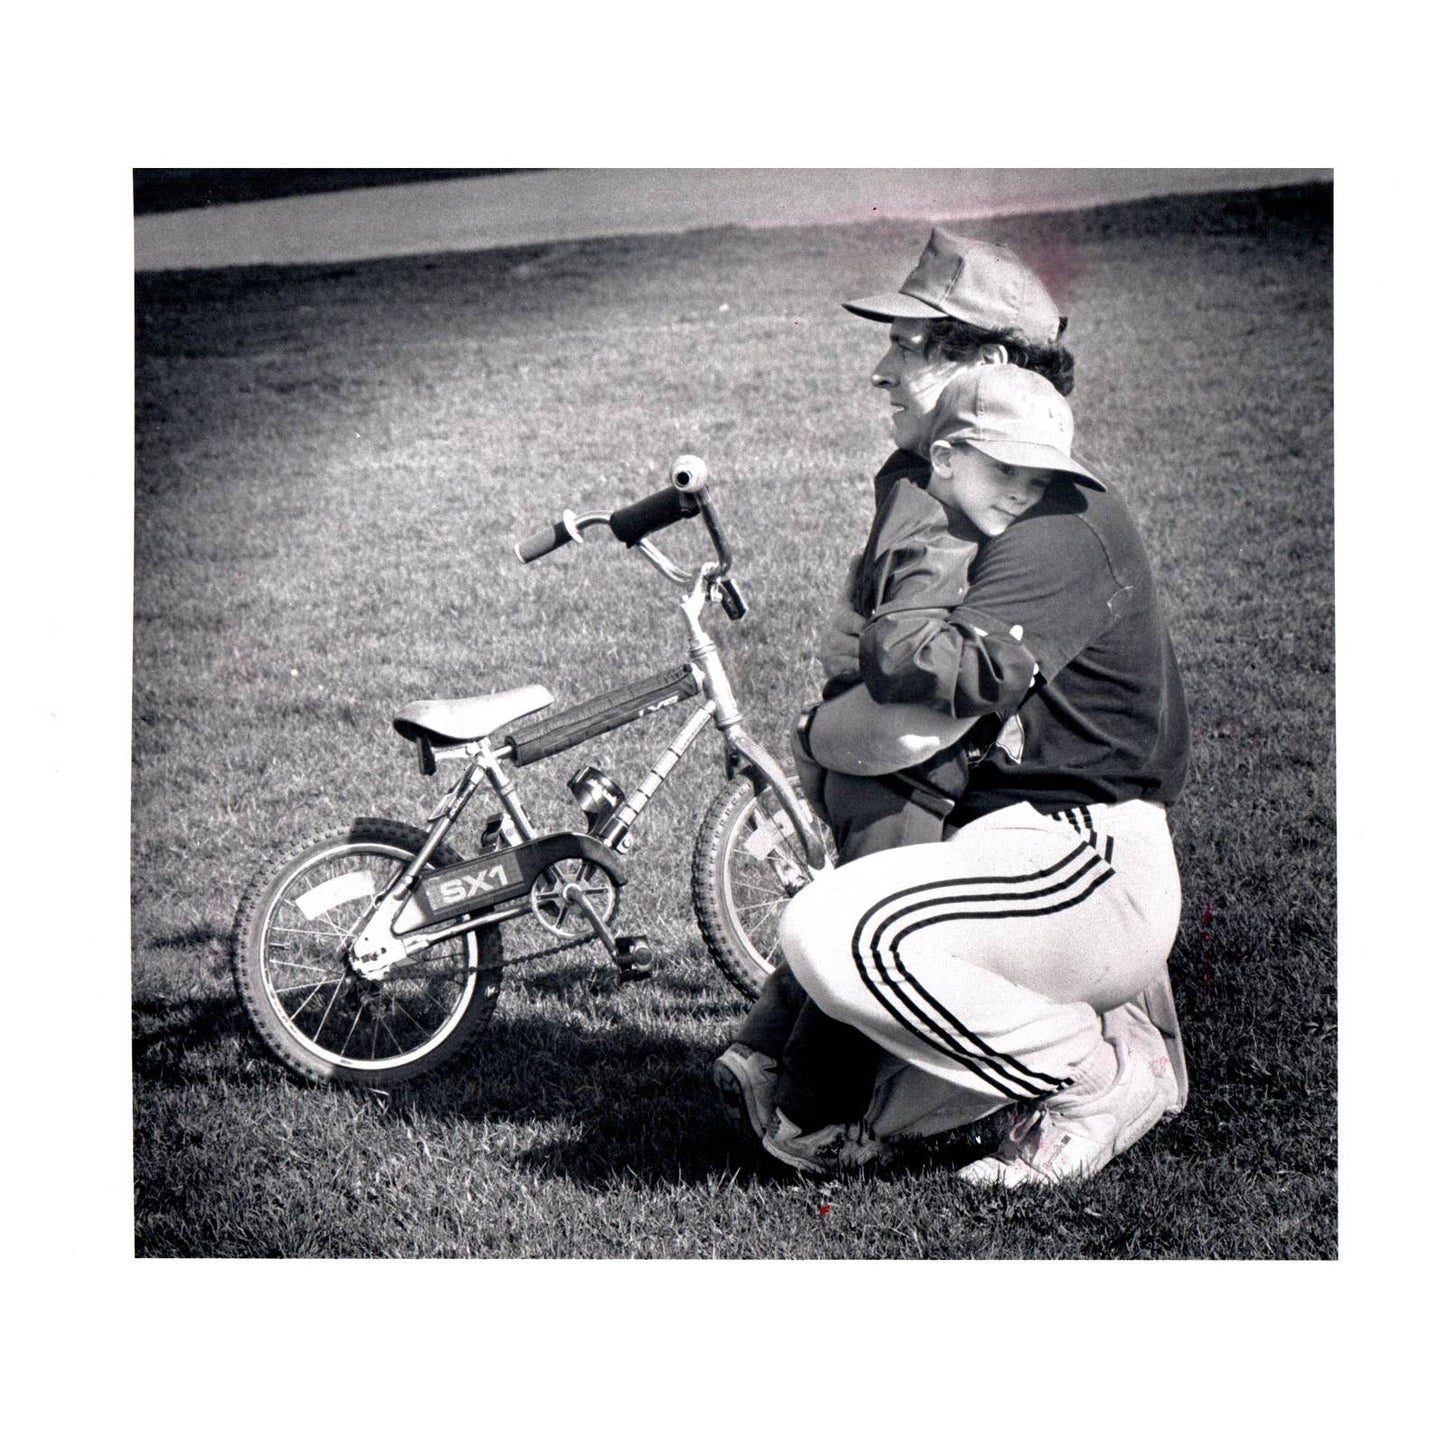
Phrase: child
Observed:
(987, 424)
(911, 574)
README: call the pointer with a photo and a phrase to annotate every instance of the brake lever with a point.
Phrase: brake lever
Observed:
(732, 600)
(715, 531)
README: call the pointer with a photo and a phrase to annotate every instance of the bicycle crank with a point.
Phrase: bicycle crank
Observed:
(572, 897)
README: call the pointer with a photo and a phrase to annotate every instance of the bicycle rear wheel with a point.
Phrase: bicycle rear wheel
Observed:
(312, 1010)
(747, 863)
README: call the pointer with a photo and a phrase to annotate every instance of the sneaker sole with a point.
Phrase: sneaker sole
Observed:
(803, 1163)
(738, 1102)
(1016, 1173)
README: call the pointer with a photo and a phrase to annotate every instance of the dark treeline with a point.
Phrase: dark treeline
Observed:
(179, 190)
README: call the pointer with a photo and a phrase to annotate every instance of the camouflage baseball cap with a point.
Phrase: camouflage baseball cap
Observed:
(977, 282)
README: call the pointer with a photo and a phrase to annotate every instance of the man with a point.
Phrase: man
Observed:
(990, 1004)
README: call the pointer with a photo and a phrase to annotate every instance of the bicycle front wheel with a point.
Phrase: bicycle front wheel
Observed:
(312, 1010)
(748, 862)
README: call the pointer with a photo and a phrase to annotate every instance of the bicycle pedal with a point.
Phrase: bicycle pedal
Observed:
(635, 958)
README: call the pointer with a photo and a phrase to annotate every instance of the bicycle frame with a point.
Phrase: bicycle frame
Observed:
(501, 881)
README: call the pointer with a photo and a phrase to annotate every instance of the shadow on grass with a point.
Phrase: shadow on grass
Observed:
(201, 935)
(634, 1099)
(597, 1100)
(608, 1086)
(578, 1077)
(175, 1042)
(604, 1097)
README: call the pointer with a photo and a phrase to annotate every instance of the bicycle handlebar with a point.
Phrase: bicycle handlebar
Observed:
(685, 497)
(632, 523)
(689, 474)
(548, 539)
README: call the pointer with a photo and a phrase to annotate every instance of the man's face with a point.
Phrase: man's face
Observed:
(913, 381)
(991, 494)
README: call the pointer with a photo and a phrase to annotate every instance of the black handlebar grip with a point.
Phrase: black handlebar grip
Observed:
(661, 509)
(540, 543)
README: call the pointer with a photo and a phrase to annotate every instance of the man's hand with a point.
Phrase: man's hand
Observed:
(838, 647)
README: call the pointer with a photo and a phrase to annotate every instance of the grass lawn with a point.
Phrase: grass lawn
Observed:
(332, 465)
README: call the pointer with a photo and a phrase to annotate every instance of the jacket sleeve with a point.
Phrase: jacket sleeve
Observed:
(1049, 579)
(935, 657)
(912, 651)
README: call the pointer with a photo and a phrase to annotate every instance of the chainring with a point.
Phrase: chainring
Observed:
(562, 915)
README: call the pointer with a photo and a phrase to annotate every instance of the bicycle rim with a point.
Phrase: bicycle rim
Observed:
(759, 864)
(332, 1014)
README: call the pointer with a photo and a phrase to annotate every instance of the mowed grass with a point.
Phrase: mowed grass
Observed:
(332, 465)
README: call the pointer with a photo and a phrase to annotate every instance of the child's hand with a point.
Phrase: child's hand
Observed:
(838, 647)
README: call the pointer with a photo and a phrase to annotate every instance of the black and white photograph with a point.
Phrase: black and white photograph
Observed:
(734, 714)
(782, 708)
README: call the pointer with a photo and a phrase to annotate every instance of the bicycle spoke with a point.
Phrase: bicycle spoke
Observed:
(313, 985)
(416, 1023)
(294, 966)
(770, 905)
(328, 929)
(769, 897)
(328, 935)
(330, 1004)
(382, 1023)
(315, 989)
(343, 931)
(361, 1009)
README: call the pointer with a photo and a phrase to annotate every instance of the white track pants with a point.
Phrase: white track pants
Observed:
(986, 960)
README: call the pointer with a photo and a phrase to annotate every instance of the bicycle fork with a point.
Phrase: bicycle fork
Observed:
(705, 657)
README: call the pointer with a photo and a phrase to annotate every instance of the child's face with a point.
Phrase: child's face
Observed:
(990, 494)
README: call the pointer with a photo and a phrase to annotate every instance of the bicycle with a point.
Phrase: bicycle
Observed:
(373, 954)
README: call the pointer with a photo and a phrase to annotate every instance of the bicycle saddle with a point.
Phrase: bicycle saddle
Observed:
(465, 719)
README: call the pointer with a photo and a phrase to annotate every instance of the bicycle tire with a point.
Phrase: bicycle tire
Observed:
(310, 1009)
(747, 863)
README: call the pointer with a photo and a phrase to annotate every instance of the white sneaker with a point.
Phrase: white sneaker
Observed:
(1074, 1137)
(1157, 1004)
(825, 1150)
(744, 1079)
